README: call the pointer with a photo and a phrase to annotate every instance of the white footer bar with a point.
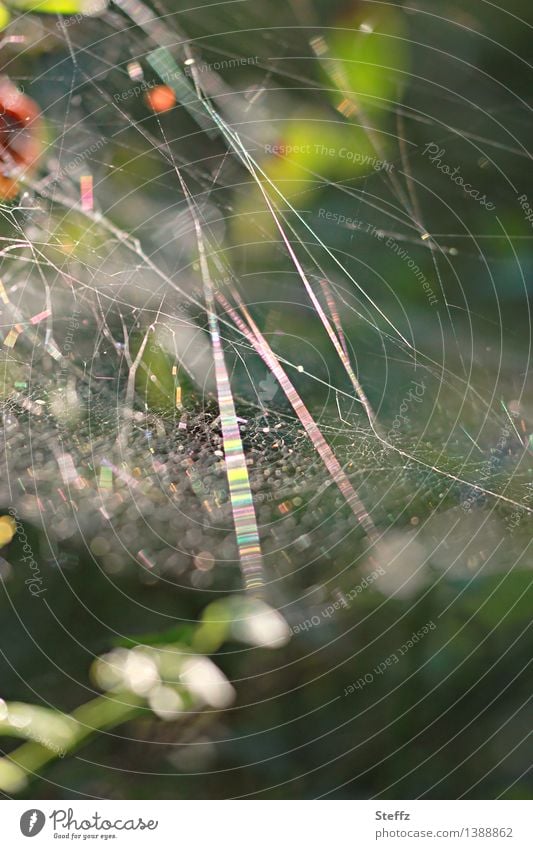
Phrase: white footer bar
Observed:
(267, 824)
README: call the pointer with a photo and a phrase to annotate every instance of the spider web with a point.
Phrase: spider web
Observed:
(114, 298)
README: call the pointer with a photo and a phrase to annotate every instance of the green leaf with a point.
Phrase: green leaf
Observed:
(368, 57)
(51, 7)
(182, 634)
(5, 17)
(154, 380)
